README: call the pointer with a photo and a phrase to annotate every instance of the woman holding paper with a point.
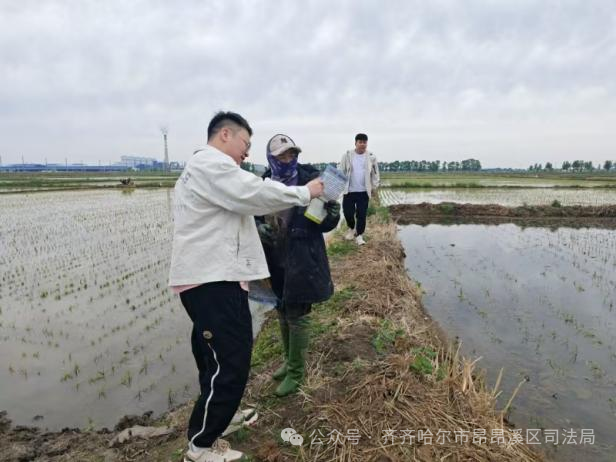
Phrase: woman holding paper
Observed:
(296, 257)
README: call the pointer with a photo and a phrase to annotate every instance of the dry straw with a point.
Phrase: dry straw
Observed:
(375, 393)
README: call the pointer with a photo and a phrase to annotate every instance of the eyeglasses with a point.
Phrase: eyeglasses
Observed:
(246, 143)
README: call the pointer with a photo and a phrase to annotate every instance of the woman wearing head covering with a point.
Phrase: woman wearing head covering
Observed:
(296, 257)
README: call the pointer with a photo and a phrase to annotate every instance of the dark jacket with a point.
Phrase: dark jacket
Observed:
(300, 270)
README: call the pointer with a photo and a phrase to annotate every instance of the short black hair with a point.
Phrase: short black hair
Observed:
(225, 119)
(361, 137)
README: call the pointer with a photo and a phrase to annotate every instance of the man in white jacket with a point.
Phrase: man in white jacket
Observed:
(362, 171)
(216, 250)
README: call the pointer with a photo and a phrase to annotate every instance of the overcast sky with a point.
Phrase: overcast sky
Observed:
(507, 82)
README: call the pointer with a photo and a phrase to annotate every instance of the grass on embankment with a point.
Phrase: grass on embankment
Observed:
(376, 363)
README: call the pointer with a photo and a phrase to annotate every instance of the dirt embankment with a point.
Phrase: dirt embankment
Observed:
(529, 215)
(377, 366)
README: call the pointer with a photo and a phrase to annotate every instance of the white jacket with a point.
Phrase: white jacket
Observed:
(215, 237)
(371, 173)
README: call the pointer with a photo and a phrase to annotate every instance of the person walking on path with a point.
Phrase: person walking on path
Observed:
(362, 170)
(215, 251)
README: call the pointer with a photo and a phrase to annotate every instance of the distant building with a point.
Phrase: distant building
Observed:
(127, 163)
(136, 161)
(61, 168)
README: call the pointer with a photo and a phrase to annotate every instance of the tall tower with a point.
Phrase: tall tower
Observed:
(164, 131)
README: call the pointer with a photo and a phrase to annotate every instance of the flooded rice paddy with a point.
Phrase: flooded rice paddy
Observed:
(89, 330)
(436, 180)
(507, 197)
(541, 304)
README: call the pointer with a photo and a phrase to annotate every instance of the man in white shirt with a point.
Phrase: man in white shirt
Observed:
(362, 171)
(216, 250)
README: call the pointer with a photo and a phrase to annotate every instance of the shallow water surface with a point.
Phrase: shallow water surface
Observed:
(541, 304)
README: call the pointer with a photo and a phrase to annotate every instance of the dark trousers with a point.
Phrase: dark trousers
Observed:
(355, 204)
(291, 312)
(222, 347)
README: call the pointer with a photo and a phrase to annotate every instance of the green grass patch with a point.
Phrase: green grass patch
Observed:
(267, 345)
(336, 302)
(380, 213)
(178, 454)
(386, 336)
(447, 208)
(341, 248)
(423, 363)
(325, 314)
(323, 319)
(321, 326)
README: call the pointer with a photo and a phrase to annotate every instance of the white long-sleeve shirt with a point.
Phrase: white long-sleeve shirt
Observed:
(215, 237)
(370, 171)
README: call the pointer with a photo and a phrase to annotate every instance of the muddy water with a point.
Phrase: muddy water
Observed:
(541, 304)
(89, 331)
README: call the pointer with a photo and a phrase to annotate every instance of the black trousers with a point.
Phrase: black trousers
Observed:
(291, 312)
(222, 347)
(355, 204)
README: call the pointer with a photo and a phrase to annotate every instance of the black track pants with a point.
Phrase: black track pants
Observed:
(222, 347)
(355, 204)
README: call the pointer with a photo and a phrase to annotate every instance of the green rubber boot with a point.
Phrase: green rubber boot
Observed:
(281, 372)
(298, 343)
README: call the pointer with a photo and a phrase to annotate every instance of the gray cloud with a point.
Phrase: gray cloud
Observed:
(509, 83)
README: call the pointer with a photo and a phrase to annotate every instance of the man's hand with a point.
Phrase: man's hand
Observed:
(315, 187)
(333, 209)
(266, 234)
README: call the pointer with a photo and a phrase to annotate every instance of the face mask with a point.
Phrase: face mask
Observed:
(283, 172)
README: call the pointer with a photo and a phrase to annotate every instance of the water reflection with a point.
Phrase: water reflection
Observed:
(539, 303)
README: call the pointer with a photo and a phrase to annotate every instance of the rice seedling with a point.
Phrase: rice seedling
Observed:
(127, 379)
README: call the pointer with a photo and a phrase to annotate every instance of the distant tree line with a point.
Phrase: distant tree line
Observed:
(575, 166)
(322, 165)
(259, 169)
(467, 165)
